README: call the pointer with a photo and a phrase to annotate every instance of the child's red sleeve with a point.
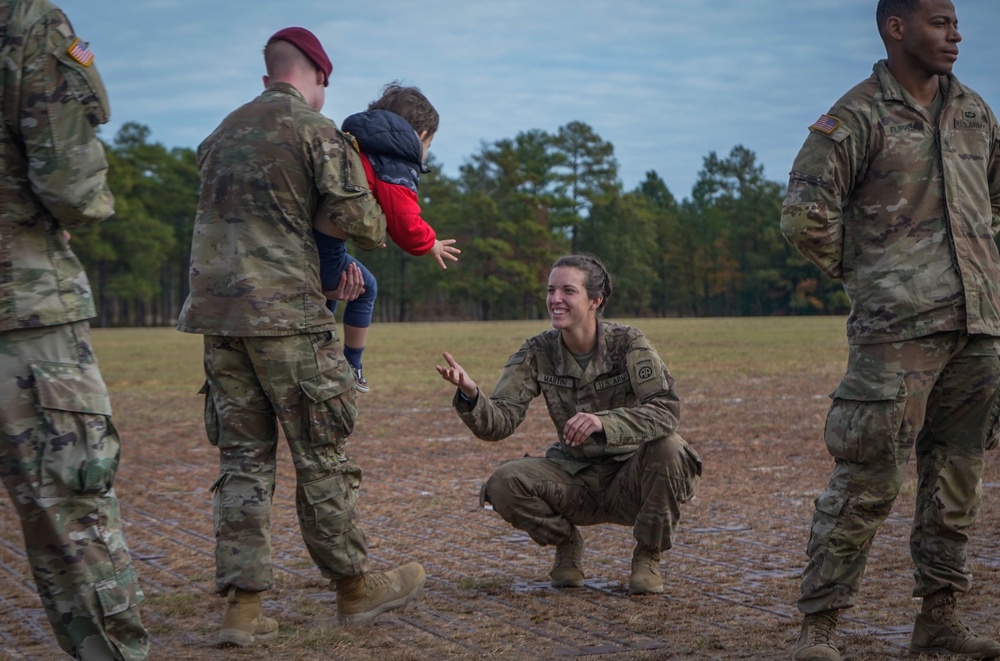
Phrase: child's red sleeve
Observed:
(402, 214)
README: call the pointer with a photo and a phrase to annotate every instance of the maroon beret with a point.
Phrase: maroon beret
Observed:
(306, 42)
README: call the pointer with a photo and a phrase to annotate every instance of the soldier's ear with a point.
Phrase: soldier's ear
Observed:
(267, 80)
(894, 28)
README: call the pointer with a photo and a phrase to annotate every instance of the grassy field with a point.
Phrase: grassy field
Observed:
(754, 394)
(403, 355)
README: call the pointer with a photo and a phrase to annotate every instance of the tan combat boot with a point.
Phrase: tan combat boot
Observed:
(360, 599)
(939, 631)
(243, 622)
(818, 639)
(645, 578)
(567, 570)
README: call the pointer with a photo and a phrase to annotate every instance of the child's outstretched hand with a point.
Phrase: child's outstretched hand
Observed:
(443, 250)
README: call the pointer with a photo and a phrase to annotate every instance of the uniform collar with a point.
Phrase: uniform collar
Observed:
(893, 91)
(286, 88)
(566, 365)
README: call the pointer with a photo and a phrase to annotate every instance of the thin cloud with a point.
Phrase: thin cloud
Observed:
(665, 82)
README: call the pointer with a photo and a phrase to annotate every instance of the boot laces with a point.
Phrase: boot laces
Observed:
(644, 557)
(822, 629)
(376, 579)
(945, 614)
(569, 553)
(648, 564)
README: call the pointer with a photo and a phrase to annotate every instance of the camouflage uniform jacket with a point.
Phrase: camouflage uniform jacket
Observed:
(267, 171)
(53, 171)
(626, 384)
(903, 208)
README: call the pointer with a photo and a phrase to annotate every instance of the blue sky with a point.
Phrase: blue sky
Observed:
(665, 81)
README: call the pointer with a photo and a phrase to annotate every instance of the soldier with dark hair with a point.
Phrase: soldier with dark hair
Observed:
(896, 191)
(618, 457)
(59, 450)
(271, 170)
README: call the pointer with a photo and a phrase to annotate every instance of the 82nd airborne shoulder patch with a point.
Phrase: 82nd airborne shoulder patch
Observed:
(644, 371)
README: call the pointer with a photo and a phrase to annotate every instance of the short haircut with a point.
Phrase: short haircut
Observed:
(887, 8)
(596, 279)
(409, 103)
(282, 59)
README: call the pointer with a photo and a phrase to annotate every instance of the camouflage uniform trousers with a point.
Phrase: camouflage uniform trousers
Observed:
(59, 453)
(935, 394)
(304, 383)
(545, 497)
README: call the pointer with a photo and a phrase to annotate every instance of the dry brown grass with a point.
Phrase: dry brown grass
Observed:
(754, 398)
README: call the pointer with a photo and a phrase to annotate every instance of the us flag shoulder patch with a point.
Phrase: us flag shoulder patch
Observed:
(81, 52)
(826, 124)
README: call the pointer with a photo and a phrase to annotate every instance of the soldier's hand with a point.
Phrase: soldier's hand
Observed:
(456, 375)
(443, 250)
(580, 427)
(351, 285)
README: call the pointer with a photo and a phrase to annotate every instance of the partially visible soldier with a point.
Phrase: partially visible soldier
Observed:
(272, 354)
(897, 192)
(59, 450)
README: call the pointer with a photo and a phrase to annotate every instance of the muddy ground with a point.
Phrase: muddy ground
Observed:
(731, 580)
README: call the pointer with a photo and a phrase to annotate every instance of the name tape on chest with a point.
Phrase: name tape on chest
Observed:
(611, 382)
(969, 122)
(560, 381)
(904, 127)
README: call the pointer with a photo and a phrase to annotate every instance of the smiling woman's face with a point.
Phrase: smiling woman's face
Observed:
(567, 299)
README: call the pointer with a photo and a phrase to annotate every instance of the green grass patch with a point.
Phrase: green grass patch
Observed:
(489, 585)
(401, 357)
(172, 605)
(150, 360)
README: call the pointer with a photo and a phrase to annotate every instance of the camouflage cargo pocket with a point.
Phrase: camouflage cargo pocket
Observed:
(993, 426)
(829, 504)
(694, 465)
(330, 410)
(211, 415)
(120, 593)
(330, 503)
(864, 420)
(79, 444)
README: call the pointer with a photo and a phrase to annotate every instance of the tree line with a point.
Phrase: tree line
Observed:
(514, 206)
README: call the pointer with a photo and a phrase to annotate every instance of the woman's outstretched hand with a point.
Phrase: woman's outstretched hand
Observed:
(456, 375)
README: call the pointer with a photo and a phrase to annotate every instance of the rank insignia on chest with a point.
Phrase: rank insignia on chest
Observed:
(81, 52)
(826, 124)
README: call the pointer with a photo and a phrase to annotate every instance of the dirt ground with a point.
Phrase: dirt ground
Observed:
(731, 579)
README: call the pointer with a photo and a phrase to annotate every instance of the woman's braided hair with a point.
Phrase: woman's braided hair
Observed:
(596, 279)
